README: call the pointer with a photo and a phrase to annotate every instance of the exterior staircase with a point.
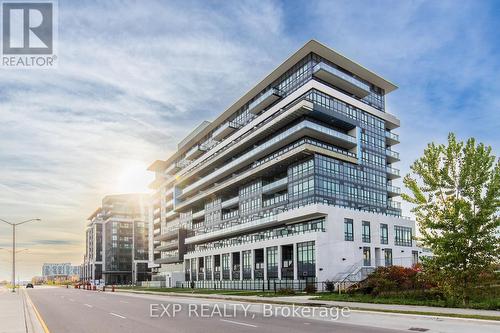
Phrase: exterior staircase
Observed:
(352, 275)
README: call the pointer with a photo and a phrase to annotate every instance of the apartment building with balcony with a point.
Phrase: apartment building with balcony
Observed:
(293, 181)
(117, 240)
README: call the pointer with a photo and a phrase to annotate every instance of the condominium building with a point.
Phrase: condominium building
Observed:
(117, 237)
(51, 271)
(293, 181)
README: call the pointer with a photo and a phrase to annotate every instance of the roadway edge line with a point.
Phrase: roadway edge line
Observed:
(38, 315)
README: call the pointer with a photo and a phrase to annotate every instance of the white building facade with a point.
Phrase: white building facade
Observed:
(293, 182)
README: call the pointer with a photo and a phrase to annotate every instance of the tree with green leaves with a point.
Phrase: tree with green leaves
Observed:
(456, 192)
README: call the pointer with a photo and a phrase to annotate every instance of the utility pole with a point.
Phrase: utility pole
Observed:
(14, 225)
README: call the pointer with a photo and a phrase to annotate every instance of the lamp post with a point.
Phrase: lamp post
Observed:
(14, 225)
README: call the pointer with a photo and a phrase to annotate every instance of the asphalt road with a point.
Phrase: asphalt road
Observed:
(73, 310)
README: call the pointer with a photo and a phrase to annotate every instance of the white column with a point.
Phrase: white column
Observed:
(265, 263)
(295, 266)
(279, 262)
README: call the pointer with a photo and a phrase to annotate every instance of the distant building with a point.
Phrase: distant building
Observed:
(117, 240)
(51, 271)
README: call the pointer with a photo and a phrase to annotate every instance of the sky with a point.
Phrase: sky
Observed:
(135, 77)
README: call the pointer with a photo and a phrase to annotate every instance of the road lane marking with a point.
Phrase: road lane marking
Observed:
(88, 305)
(117, 315)
(124, 302)
(72, 300)
(37, 314)
(237, 323)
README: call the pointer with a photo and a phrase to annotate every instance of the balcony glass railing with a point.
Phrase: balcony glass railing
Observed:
(261, 99)
(342, 75)
(276, 184)
(392, 154)
(392, 136)
(392, 171)
(280, 137)
(393, 189)
(199, 214)
(230, 202)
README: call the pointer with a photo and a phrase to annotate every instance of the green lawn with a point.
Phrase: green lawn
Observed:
(485, 304)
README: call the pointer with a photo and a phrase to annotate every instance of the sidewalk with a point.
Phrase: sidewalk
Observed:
(308, 301)
(16, 313)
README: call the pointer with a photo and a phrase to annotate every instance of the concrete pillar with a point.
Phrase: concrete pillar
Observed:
(265, 263)
(295, 266)
(280, 262)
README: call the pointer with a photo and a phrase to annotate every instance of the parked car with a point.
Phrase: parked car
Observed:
(29, 285)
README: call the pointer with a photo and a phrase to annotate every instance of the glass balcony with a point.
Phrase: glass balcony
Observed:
(392, 156)
(391, 138)
(199, 214)
(264, 100)
(325, 133)
(392, 173)
(226, 129)
(393, 191)
(195, 152)
(275, 186)
(341, 80)
(230, 202)
(172, 168)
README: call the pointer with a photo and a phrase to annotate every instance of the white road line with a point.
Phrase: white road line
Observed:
(117, 315)
(72, 300)
(88, 305)
(307, 323)
(237, 323)
(124, 302)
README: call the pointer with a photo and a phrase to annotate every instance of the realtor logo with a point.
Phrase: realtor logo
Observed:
(28, 28)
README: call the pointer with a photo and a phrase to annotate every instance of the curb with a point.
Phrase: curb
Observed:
(30, 308)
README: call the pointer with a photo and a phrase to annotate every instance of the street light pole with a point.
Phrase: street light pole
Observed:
(14, 225)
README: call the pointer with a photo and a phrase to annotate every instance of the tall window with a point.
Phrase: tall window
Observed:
(348, 230)
(402, 236)
(306, 262)
(384, 234)
(366, 232)
(414, 255)
(247, 264)
(208, 267)
(225, 266)
(272, 262)
(388, 257)
(367, 257)
(193, 269)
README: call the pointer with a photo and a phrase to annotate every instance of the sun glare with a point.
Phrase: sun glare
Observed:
(133, 177)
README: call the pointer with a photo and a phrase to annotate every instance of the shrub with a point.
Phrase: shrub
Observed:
(286, 291)
(329, 286)
(310, 289)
